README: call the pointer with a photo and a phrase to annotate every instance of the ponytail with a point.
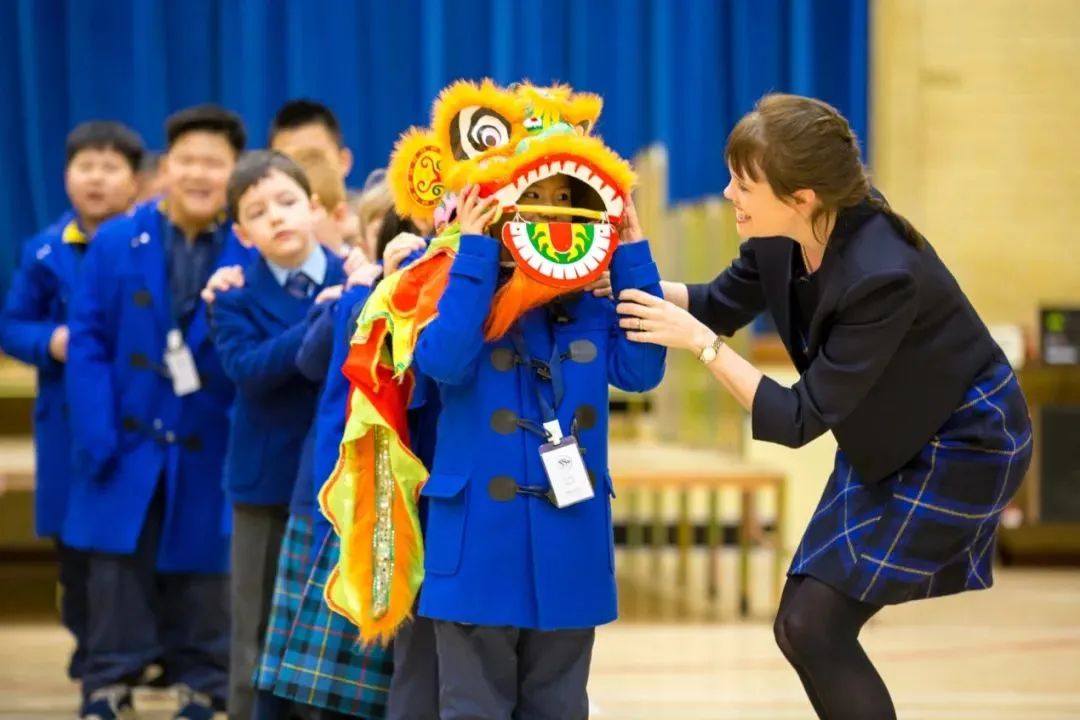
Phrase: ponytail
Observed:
(898, 221)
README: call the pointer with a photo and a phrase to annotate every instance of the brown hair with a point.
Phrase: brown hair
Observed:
(801, 143)
(373, 203)
(324, 174)
(253, 168)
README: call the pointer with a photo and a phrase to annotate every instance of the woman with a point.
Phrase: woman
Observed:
(933, 431)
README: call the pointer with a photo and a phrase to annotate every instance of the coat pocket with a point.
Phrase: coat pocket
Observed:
(447, 507)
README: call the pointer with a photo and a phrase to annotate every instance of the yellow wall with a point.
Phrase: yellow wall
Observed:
(975, 112)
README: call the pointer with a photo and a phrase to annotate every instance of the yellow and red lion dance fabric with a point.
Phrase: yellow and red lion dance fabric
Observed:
(502, 140)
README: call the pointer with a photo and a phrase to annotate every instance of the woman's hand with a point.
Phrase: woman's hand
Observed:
(476, 213)
(649, 319)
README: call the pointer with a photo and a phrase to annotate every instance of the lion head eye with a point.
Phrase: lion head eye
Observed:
(476, 130)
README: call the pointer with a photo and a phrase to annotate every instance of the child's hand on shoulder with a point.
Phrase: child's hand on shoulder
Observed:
(364, 274)
(476, 214)
(355, 259)
(401, 247)
(223, 279)
(329, 294)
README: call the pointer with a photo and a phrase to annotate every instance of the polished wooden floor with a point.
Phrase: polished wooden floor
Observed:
(1012, 653)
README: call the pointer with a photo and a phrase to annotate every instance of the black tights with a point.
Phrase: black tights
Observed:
(817, 629)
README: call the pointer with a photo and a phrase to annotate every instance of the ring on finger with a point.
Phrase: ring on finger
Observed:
(641, 325)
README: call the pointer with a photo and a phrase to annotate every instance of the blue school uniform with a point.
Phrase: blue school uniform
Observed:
(502, 558)
(36, 305)
(147, 500)
(258, 330)
(132, 430)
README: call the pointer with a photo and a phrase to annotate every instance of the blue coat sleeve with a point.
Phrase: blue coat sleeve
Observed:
(256, 364)
(90, 391)
(634, 367)
(25, 326)
(733, 299)
(313, 357)
(448, 347)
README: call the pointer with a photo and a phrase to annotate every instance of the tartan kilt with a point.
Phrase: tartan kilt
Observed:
(929, 528)
(294, 566)
(324, 664)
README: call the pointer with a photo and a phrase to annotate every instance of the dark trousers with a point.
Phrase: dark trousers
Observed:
(414, 686)
(256, 544)
(138, 615)
(500, 673)
(74, 570)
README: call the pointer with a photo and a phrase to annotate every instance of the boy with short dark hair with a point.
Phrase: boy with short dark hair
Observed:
(308, 124)
(258, 330)
(102, 160)
(152, 402)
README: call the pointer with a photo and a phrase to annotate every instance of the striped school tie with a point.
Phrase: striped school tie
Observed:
(298, 284)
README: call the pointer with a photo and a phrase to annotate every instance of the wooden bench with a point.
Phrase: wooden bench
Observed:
(16, 379)
(16, 464)
(17, 497)
(660, 470)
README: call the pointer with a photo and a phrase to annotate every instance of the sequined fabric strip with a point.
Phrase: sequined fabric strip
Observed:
(383, 541)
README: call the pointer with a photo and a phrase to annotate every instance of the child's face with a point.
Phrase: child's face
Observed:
(276, 217)
(100, 184)
(552, 192)
(313, 135)
(347, 222)
(332, 229)
(197, 168)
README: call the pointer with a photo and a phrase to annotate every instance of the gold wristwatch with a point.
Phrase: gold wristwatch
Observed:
(708, 353)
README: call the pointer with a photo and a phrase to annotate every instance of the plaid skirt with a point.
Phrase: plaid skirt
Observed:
(928, 529)
(324, 664)
(294, 566)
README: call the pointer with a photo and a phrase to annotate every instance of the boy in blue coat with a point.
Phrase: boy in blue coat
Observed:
(258, 330)
(151, 402)
(102, 160)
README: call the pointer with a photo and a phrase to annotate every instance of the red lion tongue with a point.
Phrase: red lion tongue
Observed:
(562, 236)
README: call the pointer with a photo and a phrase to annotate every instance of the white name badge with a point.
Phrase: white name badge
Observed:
(566, 472)
(181, 365)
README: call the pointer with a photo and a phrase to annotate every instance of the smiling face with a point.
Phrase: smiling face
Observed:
(758, 211)
(197, 169)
